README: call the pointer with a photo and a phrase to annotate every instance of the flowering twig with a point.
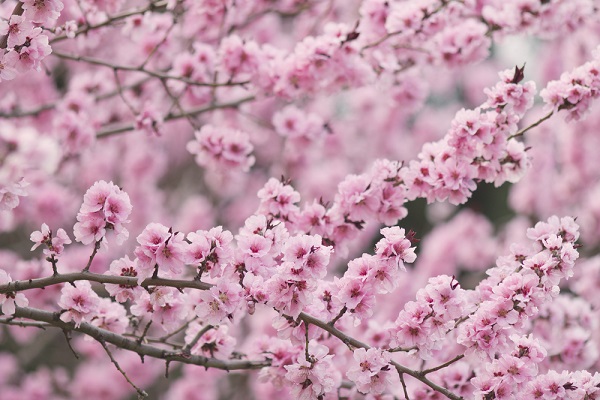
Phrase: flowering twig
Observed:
(142, 349)
(94, 252)
(358, 344)
(106, 132)
(109, 21)
(18, 10)
(39, 283)
(142, 69)
(188, 347)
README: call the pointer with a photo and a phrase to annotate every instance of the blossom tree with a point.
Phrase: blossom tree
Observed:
(304, 199)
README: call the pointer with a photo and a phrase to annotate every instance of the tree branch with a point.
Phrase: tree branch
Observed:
(125, 14)
(40, 283)
(107, 131)
(358, 344)
(131, 345)
(142, 69)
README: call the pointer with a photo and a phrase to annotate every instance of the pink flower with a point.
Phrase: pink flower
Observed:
(7, 70)
(315, 378)
(160, 248)
(293, 123)
(278, 199)
(55, 245)
(42, 11)
(218, 303)
(308, 255)
(18, 29)
(10, 300)
(40, 237)
(395, 246)
(222, 149)
(111, 316)
(30, 57)
(79, 302)
(105, 207)
(214, 343)
(165, 306)
(370, 370)
(10, 193)
(149, 120)
(123, 267)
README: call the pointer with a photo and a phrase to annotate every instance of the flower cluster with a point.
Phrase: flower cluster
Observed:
(54, 245)
(519, 286)
(370, 370)
(26, 46)
(105, 207)
(164, 306)
(369, 275)
(79, 303)
(312, 281)
(313, 376)
(159, 248)
(423, 324)
(575, 90)
(221, 149)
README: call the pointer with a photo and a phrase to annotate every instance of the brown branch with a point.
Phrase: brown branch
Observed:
(142, 69)
(125, 14)
(140, 392)
(107, 131)
(337, 317)
(23, 324)
(92, 256)
(163, 339)
(404, 388)
(188, 347)
(358, 344)
(132, 345)
(444, 365)
(522, 131)
(392, 34)
(40, 283)
(49, 106)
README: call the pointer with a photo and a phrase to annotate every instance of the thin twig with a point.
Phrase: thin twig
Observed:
(522, 131)
(96, 248)
(403, 349)
(444, 365)
(67, 334)
(306, 355)
(155, 48)
(114, 18)
(107, 131)
(140, 392)
(404, 387)
(337, 317)
(162, 339)
(188, 347)
(140, 340)
(23, 324)
(122, 94)
(46, 107)
(155, 74)
(52, 260)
